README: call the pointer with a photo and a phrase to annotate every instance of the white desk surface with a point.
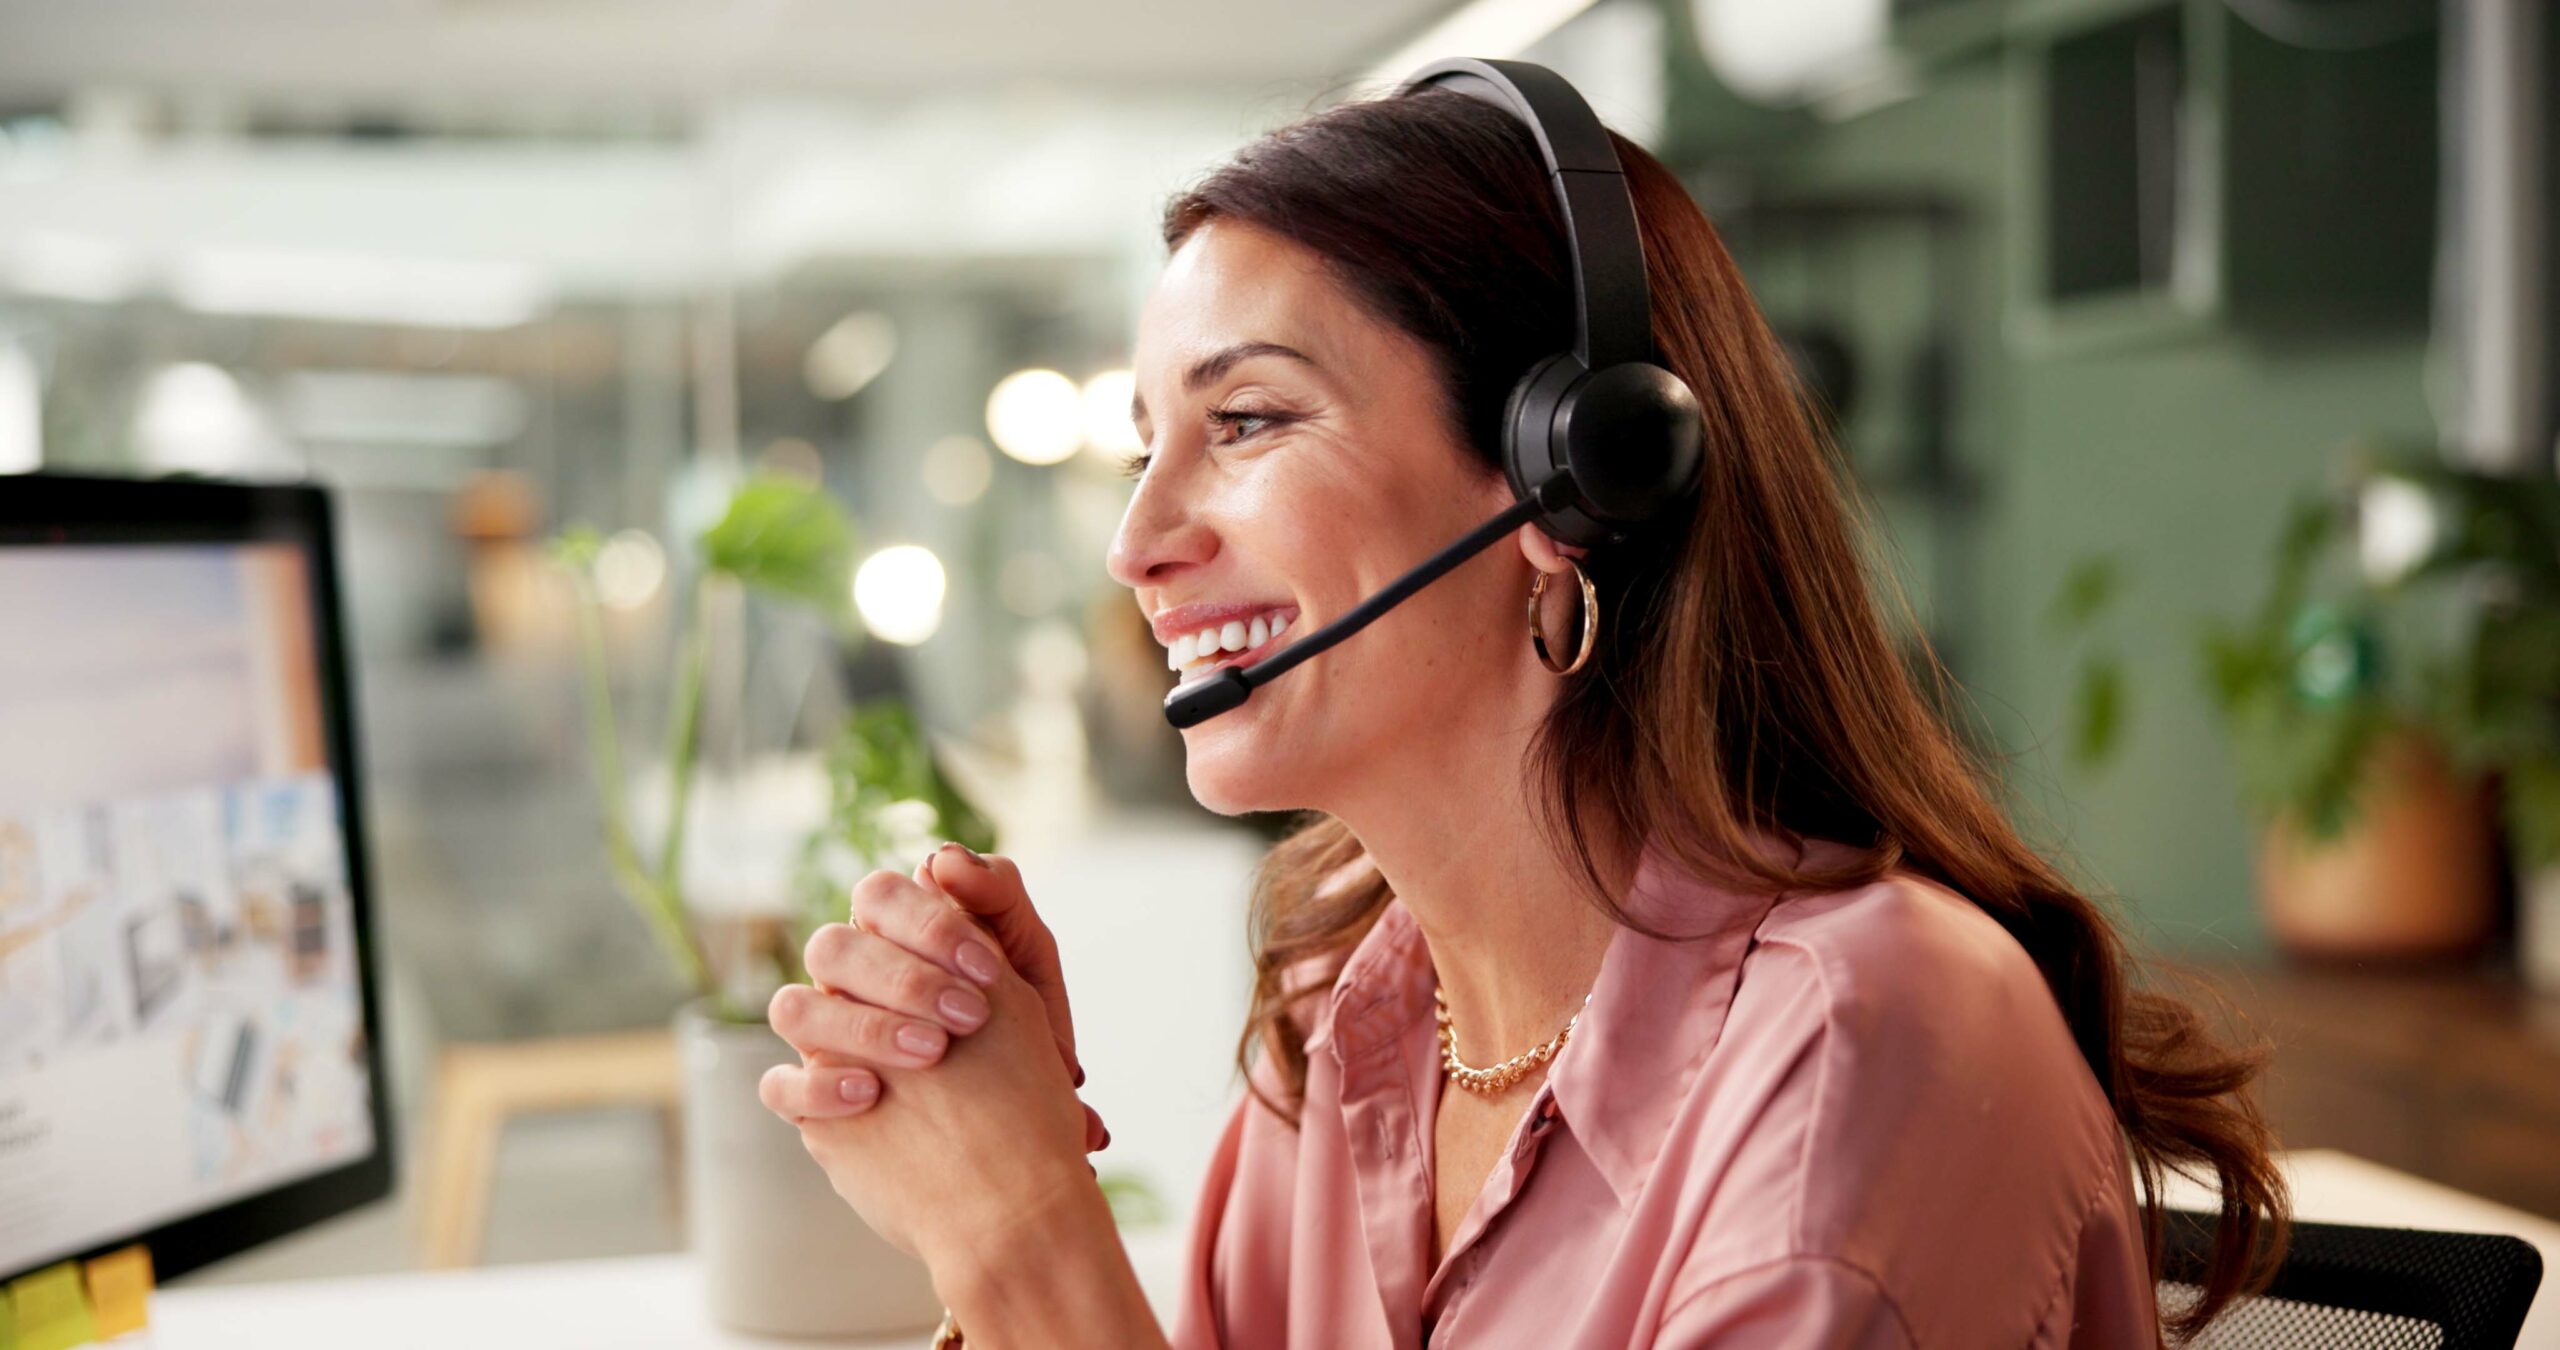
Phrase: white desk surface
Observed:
(653, 1303)
(619, 1303)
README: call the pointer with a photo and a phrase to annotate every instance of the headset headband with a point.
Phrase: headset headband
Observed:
(1613, 309)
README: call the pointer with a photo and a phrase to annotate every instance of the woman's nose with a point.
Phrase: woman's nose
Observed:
(1156, 541)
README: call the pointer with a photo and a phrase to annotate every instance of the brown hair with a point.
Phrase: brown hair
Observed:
(1743, 679)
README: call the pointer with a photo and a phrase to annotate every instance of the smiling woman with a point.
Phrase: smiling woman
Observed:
(1780, 1034)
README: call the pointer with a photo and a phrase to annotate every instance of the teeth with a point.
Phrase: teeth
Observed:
(1234, 636)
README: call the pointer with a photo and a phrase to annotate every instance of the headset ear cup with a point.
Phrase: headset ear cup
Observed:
(1533, 448)
(1632, 436)
(1526, 456)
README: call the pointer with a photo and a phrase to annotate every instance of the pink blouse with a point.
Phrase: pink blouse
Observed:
(1855, 1119)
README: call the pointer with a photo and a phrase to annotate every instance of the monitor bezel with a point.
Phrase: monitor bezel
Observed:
(66, 509)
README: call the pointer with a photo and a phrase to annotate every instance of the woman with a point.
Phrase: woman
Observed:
(1687, 991)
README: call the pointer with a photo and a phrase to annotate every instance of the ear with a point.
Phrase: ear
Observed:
(1545, 552)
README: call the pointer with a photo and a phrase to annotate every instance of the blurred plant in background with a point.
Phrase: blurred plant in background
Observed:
(2098, 709)
(2482, 553)
(2394, 689)
(886, 798)
(788, 541)
(2381, 612)
(2310, 680)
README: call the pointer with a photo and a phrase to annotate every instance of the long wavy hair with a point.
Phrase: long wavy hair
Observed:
(1744, 680)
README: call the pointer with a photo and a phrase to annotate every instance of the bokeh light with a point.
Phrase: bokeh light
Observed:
(1108, 432)
(630, 567)
(898, 591)
(1036, 416)
(957, 470)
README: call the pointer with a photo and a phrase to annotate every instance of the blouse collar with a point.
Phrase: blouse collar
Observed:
(1655, 1011)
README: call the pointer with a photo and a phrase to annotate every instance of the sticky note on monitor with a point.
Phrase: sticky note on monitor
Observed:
(120, 1291)
(51, 1309)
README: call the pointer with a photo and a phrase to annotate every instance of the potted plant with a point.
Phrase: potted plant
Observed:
(2375, 839)
(2375, 844)
(2485, 549)
(781, 1253)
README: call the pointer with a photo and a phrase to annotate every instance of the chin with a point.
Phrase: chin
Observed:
(1233, 767)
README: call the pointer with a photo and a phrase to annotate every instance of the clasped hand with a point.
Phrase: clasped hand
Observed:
(938, 1070)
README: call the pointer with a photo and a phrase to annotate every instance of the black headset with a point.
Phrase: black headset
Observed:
(1606, 413)
(1597, 441)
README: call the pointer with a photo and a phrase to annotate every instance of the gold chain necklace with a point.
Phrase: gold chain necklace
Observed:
(1489, 1081)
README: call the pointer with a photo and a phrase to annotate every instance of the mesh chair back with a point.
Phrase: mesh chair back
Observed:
(2345, 1287)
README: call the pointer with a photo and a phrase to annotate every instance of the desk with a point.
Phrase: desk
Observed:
(625, 1303)
(2449, 1075)
(653, 1302)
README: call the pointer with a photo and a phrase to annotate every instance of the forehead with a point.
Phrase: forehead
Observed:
(1232, 282)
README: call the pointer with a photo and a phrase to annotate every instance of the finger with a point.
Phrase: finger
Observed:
(990, 888)
(1096, 1138)
(869, 968)
(816, 1022)
(796, 1093)
(925, 922)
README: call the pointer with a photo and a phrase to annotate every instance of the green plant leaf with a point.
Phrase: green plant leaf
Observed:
(2532, 806)
(2299, 686)
(576, 547)
(785, 537)
(2088, 590)
(2097, 711)
(881, 772)
(1133, 1199)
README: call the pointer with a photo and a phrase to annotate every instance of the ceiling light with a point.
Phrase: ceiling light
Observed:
(1792, 52)
(1495, 29)
(360, 288)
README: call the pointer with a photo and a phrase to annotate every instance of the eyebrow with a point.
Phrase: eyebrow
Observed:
(1218, 363)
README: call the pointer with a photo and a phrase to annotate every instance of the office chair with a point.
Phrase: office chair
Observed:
(2346, 1287)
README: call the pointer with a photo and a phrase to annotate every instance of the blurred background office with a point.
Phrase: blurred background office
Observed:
(2109, 301)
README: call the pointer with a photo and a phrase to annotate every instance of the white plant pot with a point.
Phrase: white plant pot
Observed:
(781, 1253)
(2538, 928)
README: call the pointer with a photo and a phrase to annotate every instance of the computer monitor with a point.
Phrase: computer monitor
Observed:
(189, 1045)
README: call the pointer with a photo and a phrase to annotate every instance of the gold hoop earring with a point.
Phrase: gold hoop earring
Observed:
(1590, 620)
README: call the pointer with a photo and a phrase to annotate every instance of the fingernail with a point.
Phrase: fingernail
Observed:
(970, 853)
(858, 1089)
(1079, 1075)
(1106, 1137)
(917, 1038)
(978, 962)
(967, 1007)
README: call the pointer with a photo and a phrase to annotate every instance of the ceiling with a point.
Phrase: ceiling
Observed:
(396, 52)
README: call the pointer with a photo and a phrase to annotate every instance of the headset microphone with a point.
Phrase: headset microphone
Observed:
(1598, 440)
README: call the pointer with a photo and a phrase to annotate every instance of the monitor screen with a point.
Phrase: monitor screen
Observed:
(183, 1012)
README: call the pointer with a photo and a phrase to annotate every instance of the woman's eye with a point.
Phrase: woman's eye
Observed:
(1238, 417)
(1241, 419)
